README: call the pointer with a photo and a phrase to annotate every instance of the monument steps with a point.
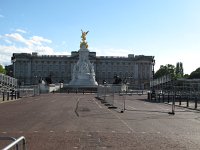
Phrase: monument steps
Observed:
(83, 90)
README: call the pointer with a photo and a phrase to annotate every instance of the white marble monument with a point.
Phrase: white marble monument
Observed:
(83, 71)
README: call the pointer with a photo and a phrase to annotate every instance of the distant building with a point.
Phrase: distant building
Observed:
(31, 68)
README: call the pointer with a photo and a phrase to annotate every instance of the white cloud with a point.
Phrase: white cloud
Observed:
(16, 37)
(33, 44)
(7, 51)
(37, 40)
(21, 31)
(33, 41)
(7, 41)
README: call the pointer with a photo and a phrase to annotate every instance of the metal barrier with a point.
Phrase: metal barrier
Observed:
(23, 91)
(8, 87)
(7, 83)
(183, 92)
(27, 91)
(106, 94)
(16, 143)
(112, 96)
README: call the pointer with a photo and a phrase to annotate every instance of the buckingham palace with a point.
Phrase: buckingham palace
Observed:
(31, 68)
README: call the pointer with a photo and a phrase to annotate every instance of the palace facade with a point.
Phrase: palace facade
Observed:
(31, 68)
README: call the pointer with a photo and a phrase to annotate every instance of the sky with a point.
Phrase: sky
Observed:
(166, 29)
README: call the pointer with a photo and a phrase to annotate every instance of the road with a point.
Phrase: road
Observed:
(79, 121)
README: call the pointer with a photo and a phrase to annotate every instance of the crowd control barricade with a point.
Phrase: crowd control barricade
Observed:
(27, 91)
(112, 96)
(105, 94)
(8, 87)
(17, 144)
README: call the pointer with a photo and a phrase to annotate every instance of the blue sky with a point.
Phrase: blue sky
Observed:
(166, 29)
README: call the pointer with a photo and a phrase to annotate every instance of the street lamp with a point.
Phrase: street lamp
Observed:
(36, 82)
(153, 94)
(13, 59)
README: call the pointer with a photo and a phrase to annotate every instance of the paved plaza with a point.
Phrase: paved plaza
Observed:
(63, 121)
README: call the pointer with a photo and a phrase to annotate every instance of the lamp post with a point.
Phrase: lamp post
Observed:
(13, 59)
(153, 94)
(36, 80)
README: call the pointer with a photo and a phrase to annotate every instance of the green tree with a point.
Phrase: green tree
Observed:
(165, 70)
(179, 70)
(186, 76)
(2, 70)
(195, 74)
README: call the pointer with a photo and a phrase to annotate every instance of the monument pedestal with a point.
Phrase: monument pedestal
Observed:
(83, 71)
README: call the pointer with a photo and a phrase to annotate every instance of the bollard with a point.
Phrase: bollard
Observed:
(68, 91)
(174, 98)
(148, 97)
(7, 96)
(187, 101)
(168, 98)
(159, 97)
(3, 96)
(12, 95)
(83, 92)
(195, 103)
(173, 106)
(15, 94)
(163, 97)
(180, 100)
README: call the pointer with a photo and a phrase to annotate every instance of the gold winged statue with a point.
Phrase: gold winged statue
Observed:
(83, 36)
